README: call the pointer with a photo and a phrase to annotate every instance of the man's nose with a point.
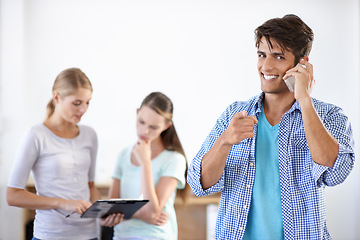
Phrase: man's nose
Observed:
(268, 63)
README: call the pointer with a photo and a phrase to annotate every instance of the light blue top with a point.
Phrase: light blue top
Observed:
(302, 181)
(265, 217)
(169, 164)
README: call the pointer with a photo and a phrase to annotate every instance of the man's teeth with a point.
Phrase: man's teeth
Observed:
(269, 77)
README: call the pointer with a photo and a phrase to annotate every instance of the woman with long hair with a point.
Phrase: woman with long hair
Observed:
(153, 168)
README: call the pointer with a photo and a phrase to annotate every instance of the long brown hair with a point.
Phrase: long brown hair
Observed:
(67, 83)
(161, 104)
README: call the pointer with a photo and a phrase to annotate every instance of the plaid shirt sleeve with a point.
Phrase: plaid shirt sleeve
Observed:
(339, 126)
(194, 172)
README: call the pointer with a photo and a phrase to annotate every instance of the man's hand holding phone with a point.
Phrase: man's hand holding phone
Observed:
(300, 79)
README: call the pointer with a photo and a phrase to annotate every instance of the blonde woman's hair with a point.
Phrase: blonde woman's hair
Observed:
(67, 83)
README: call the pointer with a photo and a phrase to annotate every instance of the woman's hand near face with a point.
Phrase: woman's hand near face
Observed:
(142, 152)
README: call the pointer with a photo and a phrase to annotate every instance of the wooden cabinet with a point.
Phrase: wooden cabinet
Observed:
(191, 216)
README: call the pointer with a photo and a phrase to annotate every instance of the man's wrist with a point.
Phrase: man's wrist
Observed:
(305, 101)
(223, 142)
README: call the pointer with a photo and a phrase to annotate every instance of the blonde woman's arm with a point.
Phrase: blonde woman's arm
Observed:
(21, 198)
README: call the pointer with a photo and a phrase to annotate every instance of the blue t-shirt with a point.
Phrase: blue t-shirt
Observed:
(265, 215)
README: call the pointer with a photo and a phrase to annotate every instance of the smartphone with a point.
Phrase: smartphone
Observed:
(290, 81)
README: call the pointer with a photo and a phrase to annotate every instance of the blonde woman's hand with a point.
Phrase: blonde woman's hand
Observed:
(78, 206)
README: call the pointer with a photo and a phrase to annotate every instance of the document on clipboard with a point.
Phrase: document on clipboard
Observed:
(106, 207)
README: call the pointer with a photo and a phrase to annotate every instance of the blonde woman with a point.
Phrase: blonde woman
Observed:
(61, 155)
(154, 167)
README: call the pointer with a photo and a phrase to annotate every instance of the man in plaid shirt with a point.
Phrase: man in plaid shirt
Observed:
(272, 155)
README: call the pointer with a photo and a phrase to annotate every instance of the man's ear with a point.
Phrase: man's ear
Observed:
(306, 58)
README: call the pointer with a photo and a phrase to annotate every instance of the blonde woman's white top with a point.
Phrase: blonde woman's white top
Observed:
(61, 168)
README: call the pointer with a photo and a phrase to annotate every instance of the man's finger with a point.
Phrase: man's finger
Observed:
(244, 114)
(254, 118)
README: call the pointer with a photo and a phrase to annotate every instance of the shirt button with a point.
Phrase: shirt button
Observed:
(248, 186)
(245, 206)
(251, 164)
(241, 228)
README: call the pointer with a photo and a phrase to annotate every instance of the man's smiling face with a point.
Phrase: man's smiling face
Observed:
(272, 66)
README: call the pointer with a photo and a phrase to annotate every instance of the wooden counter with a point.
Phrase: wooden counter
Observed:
(191, 216)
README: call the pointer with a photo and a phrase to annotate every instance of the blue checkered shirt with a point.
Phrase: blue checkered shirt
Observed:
(302, 181)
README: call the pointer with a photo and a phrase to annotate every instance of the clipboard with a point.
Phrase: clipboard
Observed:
(105, 207)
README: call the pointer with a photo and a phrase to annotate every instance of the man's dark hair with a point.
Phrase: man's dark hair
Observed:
(290, 32)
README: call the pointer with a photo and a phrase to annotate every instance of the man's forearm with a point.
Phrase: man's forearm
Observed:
(213, 163)
(324, 148)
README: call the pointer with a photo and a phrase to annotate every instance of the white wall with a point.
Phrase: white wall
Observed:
(200, 53)
(12, 105)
